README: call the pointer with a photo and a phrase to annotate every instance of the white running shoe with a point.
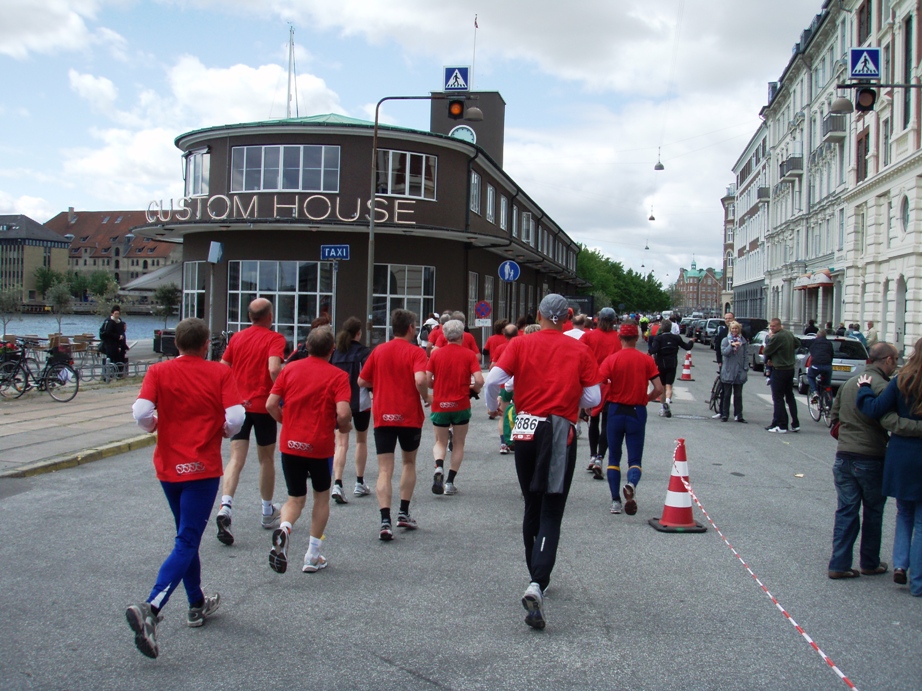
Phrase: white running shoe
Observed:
(271, 521)
(533, 601)
(337, 494)
(361, 490)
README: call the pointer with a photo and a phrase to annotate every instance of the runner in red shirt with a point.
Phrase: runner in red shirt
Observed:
(495, 341)
(509, 332)
(255, 357)
(316, 397)
(603, 342)
(396, 373)
(196, 404)
(450, 371)
(554, 377)
(630, 373)
(468, 342)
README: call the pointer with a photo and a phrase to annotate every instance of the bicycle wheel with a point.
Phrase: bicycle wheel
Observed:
(813, 403)
(826, 402)
(13, 380)
(716, 392)
(62, 382)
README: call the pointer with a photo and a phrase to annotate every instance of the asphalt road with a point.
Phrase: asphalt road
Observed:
(628, 607)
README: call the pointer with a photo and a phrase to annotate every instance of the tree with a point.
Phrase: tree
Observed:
(60, 300)
(10, 305)
(166, 299)
(100, 283)
(79, 284)
(106, 295)
(611, 284)
(45, 278)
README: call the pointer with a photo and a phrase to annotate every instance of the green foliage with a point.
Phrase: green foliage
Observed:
(100, 283)
(60, 300)
(107, 296)
(166, 298)
(45, 278)
(78, 284)
(10, 305)
(614, 286)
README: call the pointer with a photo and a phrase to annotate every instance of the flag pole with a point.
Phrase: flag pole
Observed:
(474, 57)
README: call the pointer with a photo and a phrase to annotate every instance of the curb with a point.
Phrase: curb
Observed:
(72, 460)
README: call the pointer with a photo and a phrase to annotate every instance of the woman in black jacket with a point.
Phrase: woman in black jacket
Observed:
(664, 347)
(350, 355)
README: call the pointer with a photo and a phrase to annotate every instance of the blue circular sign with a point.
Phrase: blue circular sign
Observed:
(509, 271)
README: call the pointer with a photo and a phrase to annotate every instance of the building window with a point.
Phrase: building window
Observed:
(841, 228)
(491, 204)
(907, 69)
(515, 221)
(473, 280)
(904, 215)
(193, 289)
(475, 192)
(309, 168)
(488, 290)
(503, 212)
(400, 286)
(405, 174)
(861, 155)
(886, 130)
(198, 168)
(299, 292)
(527, 226)
(864, 21)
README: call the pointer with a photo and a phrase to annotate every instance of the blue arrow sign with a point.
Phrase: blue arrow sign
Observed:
(334, 252)
(457, 79)
(864, 63)
(509, 271)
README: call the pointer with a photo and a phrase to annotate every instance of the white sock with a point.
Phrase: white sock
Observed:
(314, 548)
(669, 401)
(267, 507)
(227, 500)
(286, 526)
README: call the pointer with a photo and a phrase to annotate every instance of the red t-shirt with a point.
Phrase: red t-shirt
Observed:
(391, 369)
(630, 372)
(467, 341)
(310, 390)
(248, 354)
(551, 370)
(452, 367)
(494, 342)
(602, 343)
(191, 395)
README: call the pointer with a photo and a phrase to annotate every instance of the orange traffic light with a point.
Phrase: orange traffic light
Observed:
(456, 109)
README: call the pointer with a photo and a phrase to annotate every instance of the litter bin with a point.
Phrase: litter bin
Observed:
(157, 340)
(168, 343)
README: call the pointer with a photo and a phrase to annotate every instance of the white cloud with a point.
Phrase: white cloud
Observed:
(98, 91)
(45, 26)
(36, 208)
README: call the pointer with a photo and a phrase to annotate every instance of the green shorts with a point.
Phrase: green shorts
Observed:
(455, 417)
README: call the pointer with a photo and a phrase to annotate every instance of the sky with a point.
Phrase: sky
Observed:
(94, 92)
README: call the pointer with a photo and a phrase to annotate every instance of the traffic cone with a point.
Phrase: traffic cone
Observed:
(688, 358)
(677, 512)
(686, 372)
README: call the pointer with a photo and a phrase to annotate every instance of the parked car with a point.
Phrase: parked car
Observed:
(683, 325)
(710, 330)
(697, 329)
(849, 358)
(752, 326)
(757, 349)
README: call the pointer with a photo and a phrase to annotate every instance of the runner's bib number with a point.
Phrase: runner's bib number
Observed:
(524, 427)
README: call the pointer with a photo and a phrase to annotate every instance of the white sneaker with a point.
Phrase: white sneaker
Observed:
(271, 521)
(533, 601)
(361, 490)
(450, 488)
(313, 565)
(337, 495)
(716, 416)
(616, 506)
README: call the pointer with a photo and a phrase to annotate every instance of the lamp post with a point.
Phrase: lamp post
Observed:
(472, 114)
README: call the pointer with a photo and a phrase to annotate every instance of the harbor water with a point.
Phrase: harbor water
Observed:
(140, 326)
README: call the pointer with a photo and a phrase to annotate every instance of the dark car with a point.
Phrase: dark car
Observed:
(683, 325)
(752, 326)
(697, 329)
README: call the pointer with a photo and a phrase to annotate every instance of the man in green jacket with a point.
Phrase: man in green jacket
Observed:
(779, 353)
(859, 469)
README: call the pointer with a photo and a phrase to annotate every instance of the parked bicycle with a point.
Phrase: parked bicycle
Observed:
(218, 345)
(820, 403)
(58, 377)
(717, 394)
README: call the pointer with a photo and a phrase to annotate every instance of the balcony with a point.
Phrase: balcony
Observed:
(792, 168)
(834, 128)
(763, 195)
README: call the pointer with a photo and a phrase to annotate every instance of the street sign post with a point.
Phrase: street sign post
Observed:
(509, 271)
(328, 252)
(864, 63)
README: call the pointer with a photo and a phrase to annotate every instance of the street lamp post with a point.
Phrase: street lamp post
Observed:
(473, 114)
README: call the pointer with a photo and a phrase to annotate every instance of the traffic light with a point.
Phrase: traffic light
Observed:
(865, 99)
(456, 109)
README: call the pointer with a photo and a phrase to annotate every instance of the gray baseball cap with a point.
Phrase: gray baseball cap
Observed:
(554, 307)
(607, 313)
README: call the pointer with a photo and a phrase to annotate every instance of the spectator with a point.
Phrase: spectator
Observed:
(779, 354)
(734, 371)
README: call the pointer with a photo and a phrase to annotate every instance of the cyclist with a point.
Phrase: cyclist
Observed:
(820, 362)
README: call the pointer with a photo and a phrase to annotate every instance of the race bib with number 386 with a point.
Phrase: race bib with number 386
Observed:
(524, 427)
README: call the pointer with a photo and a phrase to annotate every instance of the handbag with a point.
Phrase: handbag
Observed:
(834, 430)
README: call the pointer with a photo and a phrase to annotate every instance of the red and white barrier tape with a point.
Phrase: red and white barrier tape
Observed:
(777, 604)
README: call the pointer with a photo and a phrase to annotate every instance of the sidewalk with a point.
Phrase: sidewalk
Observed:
(40, 435)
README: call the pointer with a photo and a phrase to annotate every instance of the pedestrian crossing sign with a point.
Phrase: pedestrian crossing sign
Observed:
(457, 79)
(864, 63)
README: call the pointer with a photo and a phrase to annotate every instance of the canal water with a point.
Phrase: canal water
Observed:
(140, 326)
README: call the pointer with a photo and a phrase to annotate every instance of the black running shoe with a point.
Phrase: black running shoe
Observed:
(438, 486)
(386, 533)
(224, 534)
(278, 555)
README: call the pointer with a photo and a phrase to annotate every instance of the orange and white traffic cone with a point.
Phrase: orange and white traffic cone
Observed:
(677, 512)
(686, 371)
(688, 358)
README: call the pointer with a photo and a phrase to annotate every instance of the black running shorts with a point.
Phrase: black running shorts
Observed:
(298, 468)
(386, 438)
(265, 425)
